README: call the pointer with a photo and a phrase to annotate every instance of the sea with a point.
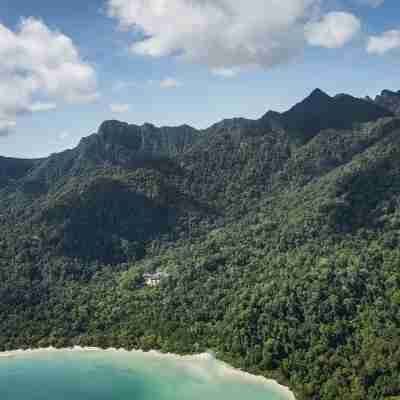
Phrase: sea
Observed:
(120, 375)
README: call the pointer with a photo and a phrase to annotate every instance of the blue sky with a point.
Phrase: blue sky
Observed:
(223, 67)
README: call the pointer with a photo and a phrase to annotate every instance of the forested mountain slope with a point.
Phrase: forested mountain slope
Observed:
(12, 169)
(280, 237)
(389, 100)
(320, 111)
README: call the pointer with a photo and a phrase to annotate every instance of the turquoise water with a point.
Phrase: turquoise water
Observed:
(99, 375)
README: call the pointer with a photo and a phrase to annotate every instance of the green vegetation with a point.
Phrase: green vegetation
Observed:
(282, 254)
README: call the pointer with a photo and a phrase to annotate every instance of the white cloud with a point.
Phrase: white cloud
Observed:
(36, 62)
(381, 44)
(39, 107)
(64, 135)
(333, 30)
(221, 34)
(170, 83)
(119, 108)
(226, 72)
(166, 83)
(7, 127)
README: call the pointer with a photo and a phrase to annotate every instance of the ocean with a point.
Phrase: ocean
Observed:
(121, 375)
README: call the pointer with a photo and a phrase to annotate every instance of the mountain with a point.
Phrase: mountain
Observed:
(115, 144)
(12, 169)
(389, 100)
(319, 111)
(279, 238)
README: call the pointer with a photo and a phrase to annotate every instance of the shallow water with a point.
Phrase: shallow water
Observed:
(108, 375)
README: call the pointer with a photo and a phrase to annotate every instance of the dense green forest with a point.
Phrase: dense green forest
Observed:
(280, 238)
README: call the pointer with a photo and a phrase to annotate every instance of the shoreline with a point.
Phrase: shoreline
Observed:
(226, 368)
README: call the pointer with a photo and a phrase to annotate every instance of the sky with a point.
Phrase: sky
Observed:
(65, 67)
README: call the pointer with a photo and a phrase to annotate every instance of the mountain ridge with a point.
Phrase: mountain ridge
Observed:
(315, 95)
(390, 100)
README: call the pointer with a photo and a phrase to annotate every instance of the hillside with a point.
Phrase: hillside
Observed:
(389, 100)
(320, 111)
(12, 169)
(280, 237)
